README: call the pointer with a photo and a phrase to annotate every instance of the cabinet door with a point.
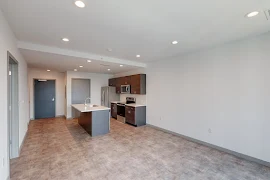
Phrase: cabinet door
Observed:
(118, 85)
(112, 82)
(130, 115)
(135, 84)
(113, 110)
(126, 80)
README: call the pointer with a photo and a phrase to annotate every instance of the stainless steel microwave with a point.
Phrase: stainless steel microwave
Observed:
(125, 89)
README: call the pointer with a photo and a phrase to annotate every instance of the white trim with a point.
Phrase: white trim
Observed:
(239, 155)
(25, 135)
(66, 52)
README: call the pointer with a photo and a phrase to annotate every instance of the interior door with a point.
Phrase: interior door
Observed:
(44, 94)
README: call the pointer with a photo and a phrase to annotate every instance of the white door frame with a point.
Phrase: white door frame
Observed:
(13, 106)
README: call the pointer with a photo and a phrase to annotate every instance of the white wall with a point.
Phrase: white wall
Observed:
(140, 99)
(8, 43)
(97, 81)
(226, 89)
(60, 88)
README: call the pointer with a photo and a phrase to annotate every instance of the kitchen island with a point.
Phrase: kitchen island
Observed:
(94, 119)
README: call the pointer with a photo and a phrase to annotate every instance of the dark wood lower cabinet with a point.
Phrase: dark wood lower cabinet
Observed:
(114, 110)
(95, 123)
(136, 115)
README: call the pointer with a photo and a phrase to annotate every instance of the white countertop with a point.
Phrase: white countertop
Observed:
(135, 105)
(115, 102)
(83, 108)
(132, 105)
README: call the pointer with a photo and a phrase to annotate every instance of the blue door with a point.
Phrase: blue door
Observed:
(44, 95)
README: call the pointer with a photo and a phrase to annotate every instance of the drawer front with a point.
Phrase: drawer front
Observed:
(130, 115)
(113, 110)
(131, 120)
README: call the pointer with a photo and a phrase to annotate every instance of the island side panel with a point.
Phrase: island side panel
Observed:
(85, 120)
(100, 122)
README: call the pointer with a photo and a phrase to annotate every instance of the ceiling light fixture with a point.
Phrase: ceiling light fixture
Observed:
(75, 70)
(175, 42)
(48, 70)
(252, 14)
(80, 66)
(109, 69)
(121, 65)
(80, 4)
(65, 39)
(138, 56)
(89, 61)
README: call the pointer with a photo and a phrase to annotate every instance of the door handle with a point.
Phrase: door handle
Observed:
(52, 99)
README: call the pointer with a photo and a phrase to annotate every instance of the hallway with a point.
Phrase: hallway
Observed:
(61, 149)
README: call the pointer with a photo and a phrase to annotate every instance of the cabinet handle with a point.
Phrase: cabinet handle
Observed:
(129, 112)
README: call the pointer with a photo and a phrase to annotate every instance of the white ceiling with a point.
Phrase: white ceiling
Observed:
(135, 27)
(61, 63)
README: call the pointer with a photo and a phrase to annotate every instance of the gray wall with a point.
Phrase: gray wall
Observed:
(220, 96)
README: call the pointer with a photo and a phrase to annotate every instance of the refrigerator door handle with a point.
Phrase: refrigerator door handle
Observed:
(102, 98)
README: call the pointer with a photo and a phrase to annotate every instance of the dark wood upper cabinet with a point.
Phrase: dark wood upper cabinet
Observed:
(138, 84)
(112, 82)
(126, 80)
(118, 85)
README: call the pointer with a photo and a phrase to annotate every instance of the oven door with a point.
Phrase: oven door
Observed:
(125, 89)
(121, 110)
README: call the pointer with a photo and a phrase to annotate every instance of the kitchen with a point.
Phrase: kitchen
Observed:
(114, 97)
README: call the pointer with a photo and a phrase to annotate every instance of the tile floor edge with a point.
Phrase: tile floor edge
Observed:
(239, 155)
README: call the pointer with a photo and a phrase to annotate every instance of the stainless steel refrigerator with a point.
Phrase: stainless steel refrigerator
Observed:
(108, 94)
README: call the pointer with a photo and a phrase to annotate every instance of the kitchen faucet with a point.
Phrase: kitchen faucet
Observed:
(86, 100)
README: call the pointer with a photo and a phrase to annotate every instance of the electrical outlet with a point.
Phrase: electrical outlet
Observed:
(210, 130)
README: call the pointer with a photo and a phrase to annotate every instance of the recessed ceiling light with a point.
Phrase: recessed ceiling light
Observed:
(89, 61)
(80, 66)
(252, 14)
(175, 42)
(121, 65)
(80, 4)
(138, 56)
(48, 70)
(109, 49)
(75, 69)
(65, 39)
(109, 69)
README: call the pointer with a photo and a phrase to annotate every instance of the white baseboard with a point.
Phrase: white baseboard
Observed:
(20, 148)
(239, 155)
(55, 116)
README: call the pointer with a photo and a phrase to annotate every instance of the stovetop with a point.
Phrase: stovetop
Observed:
(129, 100)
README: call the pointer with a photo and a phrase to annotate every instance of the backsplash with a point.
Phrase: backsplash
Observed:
(140, 99)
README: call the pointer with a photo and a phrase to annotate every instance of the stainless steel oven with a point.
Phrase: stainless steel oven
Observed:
(125, 89)
(121, 112)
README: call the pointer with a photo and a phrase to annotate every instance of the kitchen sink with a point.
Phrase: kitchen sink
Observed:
(91, 105)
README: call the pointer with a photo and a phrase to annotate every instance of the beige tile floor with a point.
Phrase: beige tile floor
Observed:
(61, 149)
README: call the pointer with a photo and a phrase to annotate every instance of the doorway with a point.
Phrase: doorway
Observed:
(13, 107)
(80, 90)
(44, 98)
